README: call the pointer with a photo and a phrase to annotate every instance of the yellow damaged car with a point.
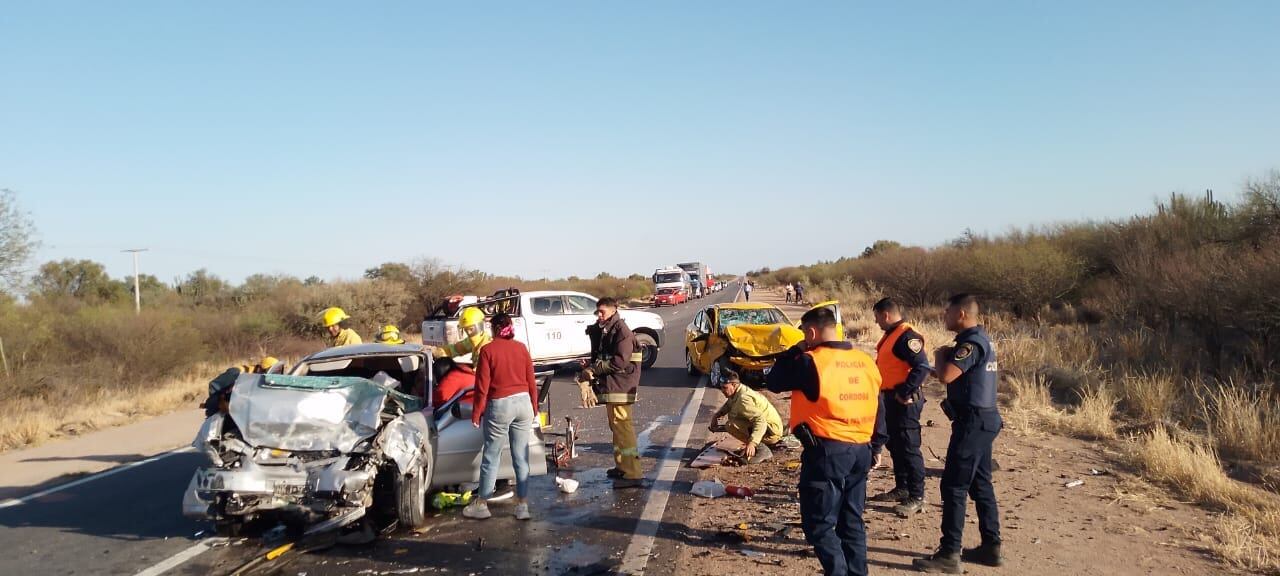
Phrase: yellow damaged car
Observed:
(743, 336)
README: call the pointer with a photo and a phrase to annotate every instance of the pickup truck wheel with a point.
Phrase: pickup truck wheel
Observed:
(411, 496)
(648, 350)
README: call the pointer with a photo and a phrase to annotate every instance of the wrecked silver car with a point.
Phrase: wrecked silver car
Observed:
(348, 431)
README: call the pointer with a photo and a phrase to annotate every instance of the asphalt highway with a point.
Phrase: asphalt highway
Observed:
(129, 521)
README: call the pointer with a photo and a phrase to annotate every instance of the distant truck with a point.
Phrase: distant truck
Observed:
(672, 277)
(552, 324)
(701, 275)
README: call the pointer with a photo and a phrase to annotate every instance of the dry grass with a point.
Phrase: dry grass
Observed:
(30, 421)
(1151, 397)
(1029, 405)
(1249, 536)
(1243, 423)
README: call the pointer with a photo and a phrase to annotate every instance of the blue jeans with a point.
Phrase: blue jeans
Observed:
(506, 419)
(833, 491)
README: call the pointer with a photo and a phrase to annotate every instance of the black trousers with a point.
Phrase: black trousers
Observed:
(967, 474)
(833, 491)
(902, 426)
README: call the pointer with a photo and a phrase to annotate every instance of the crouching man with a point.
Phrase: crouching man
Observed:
(751, 419)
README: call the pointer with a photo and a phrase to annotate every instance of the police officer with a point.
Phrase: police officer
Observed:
(903, 366)
(969, 371)
(834, 391)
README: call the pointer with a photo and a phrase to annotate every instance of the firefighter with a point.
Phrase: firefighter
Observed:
(220, 386)
(834, 399)
(474, 336)
(335, 320)
(388, 335)
(612, 377)
(903, 366)
(970, 372)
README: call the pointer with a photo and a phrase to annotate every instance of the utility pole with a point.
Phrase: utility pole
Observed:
(137, 292)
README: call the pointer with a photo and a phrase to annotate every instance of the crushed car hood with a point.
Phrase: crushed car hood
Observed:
(762, 339)
(310, 413)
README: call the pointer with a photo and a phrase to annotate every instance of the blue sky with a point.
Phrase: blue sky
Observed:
(572, 137)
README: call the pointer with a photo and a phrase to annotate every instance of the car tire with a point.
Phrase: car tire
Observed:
(688, 363)
(411, 495)
(648, 350)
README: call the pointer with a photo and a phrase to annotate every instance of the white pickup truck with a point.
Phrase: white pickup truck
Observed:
(553, 324)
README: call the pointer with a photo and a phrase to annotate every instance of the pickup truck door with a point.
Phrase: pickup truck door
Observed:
(581, 312)
(835, 308)
(550, 329)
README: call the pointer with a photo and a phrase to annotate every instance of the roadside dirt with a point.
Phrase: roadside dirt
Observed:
(1112, 524)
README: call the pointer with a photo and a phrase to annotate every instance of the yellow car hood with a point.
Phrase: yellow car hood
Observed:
(762, 339)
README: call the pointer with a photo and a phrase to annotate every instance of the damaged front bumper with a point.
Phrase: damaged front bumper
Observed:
(313, 490)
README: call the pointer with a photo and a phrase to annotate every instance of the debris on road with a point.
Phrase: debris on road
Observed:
(1073, 484)
(708, 489)
(567, 485)
(443, 500)
(739, 491)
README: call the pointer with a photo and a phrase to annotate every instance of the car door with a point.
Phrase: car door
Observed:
(548, 327)
(580, 312)
(458, 447)
(835, 308)
(695, 338)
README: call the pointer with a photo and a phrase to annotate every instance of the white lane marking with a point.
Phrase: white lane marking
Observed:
(180, 558)
(636, 557)
(118, 469)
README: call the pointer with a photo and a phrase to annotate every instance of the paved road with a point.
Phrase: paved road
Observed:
(129, 521)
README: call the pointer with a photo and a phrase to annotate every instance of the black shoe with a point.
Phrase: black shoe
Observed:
(939, 563)
(986, 555)
(895, 495)
(908, 507)
(625, 483)
(614, 473)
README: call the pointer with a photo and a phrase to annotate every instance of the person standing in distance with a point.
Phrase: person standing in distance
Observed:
(834, 399)
(970, 372)
(903, 365)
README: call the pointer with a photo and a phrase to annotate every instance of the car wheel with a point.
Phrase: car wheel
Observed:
(688, 363)
(648, 350)
(411, 495)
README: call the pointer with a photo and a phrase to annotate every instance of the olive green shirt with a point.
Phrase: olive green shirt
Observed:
(750, 410)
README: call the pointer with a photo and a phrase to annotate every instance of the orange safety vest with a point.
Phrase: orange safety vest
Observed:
(893, 370)
(848, 397)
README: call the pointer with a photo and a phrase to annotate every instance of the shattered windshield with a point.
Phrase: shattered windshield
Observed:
(732, 317)
(310, 413)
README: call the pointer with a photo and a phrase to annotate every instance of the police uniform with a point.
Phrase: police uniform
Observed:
(975, 424)
(834, 395)
(903, 366)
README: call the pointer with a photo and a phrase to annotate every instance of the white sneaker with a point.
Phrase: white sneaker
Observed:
(477, 509)
(522, 511)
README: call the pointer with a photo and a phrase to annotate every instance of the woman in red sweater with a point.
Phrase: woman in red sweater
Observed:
(506, 401)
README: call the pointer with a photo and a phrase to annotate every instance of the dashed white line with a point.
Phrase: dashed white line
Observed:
(118, 469)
